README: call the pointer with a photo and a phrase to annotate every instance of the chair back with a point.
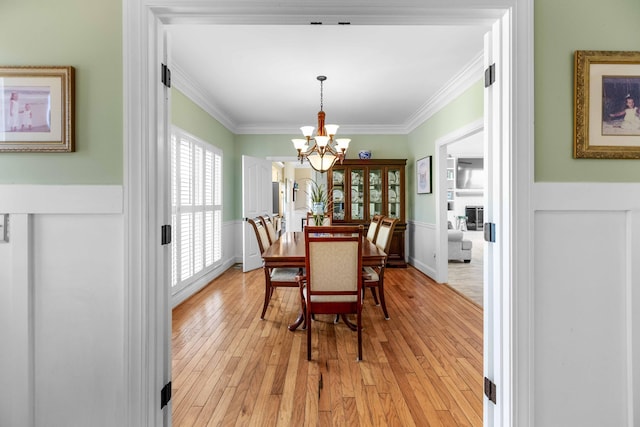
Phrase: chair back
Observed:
(385, 233)
(261, 233)
(372, 232)
(334, 265)
(270, 227)
(326, 219)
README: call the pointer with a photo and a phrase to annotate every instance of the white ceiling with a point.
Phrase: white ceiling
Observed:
(262, 78)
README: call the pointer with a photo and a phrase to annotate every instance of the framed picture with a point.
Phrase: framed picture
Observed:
(423, 175)
(607, 105)
(37, 109)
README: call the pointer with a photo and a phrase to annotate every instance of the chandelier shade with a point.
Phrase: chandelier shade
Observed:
(321, 151)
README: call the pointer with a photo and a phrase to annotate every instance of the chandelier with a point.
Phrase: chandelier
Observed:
(323, 150)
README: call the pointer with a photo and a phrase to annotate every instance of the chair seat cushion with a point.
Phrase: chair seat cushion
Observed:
(466, 244)
(371, 275)
(284, 274)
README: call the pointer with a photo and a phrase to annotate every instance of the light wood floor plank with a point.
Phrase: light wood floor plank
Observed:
(423, 367)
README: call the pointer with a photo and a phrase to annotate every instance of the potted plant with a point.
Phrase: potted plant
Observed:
(319, 202)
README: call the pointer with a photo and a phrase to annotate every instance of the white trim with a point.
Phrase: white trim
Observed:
(21, 377)
(202, 99)
(595, 196)
(140, 50)
(580, 197)
(419, 230)
(468, 76)
(61, 199)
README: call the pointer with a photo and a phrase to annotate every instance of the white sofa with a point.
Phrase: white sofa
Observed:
(459, 248)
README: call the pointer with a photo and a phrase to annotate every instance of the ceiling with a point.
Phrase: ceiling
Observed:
(380, 78)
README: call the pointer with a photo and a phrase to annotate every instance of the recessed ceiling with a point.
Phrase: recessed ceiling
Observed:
(262, 78)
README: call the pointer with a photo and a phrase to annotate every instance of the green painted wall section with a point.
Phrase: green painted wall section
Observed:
(88, 36)
(194, 120)
(461, 111)
(561, 28)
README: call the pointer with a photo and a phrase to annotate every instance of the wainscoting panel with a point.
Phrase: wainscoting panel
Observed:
(586, 305)
(421, 244)
(62, 299)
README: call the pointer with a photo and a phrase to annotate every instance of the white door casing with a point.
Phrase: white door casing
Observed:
(141, 41)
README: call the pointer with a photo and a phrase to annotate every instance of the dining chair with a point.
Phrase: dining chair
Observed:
(374, 276)
(273, 277)
(326, 219)
(270, 227)
(333, 280)
(372, 232)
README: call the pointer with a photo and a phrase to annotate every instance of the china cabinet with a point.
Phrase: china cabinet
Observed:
(360, 189)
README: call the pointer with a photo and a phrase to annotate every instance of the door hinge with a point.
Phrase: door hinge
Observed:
(165, 75)
(490, 232)
(490, 75)
(165, 395)
(490, 389)
(165, 237)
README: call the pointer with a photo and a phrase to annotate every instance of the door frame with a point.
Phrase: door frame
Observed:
(143, 21)
(442, 271)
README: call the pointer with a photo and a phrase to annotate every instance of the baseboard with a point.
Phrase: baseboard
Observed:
(425, 269)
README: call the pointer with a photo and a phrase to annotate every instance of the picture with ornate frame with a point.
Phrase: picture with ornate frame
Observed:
(423, 175)
(607, 105)
(37, 109)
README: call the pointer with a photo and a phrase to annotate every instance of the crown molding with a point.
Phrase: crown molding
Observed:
(459, 83)
(192, 90)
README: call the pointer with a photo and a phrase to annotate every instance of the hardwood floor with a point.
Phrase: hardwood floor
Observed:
(423, 367)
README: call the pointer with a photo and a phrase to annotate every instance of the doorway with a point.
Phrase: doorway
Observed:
(463, 202)
(143, 102)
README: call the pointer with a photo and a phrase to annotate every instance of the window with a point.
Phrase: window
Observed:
(196, 208)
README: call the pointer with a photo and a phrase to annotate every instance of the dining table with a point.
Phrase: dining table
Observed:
(289, 252)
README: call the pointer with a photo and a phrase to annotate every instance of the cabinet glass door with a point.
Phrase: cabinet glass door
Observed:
(375, 192)
(357, 182)
(394, 192)
(338, 196)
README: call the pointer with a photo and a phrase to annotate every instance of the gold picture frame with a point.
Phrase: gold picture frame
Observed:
(607, 105)
(37, 109)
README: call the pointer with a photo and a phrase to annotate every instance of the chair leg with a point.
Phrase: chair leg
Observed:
(267, 291)
(308, 336)
(359, 321)
(267, 298)
(375, 296)
(384, 305)
(348, 323)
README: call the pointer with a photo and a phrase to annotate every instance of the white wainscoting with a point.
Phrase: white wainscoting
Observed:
(586, 305)
(62, 305)
(421, 247)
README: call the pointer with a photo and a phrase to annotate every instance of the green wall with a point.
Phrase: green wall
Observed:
(561, 28)
(88, 36)
(194, 120)
(465, 109)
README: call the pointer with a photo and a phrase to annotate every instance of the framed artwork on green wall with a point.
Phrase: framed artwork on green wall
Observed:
(423, 175)
(37, 109)
(607, 105)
